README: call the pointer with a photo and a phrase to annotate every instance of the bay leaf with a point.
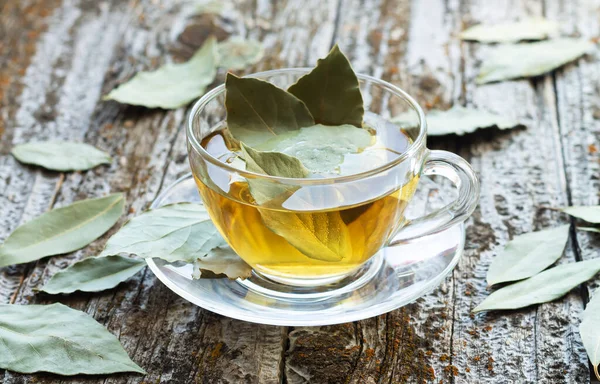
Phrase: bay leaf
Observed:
(590, 229)
(536, 28)
(221, 262)
(93, 274)
(173, 85)
(331, 91)
(516, 61)
(546, 286)
(457, 120)
(321, 148)
(62, 230)
(237, 53)
(177, 232)
(55, 338)
(527, 255)
(255, 107)
(591, 213)
(589, 329)
(318, 235)
(61, 155)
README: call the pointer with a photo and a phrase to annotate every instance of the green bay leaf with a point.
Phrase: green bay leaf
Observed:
(61, 155)
(173, 85)
(93, 274)
(237, 53)
(62, 230)
(257, 109)
(57, 339)
(331, 91)
(528, 29)
(546, 286)
(527, 60)
(591, 213)
(221, 262)
(527, 255)
(589, 329)
(177, 232)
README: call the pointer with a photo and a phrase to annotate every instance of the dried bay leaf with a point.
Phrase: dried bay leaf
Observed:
(93, 274)
(60, 155)
(238, 53)
(177, 232)
(546, 286)
(221, 262)
(527, 255)
(62, 230)
(331, 91)
(255, 107)
(528, 29)
(591, 213)
(527, 60)
(173, 85)
(589, 329)
(318, 235)
(57, 339)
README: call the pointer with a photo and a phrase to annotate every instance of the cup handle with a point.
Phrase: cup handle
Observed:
(460, 173)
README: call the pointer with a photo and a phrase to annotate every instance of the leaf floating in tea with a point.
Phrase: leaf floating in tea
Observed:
(321, 148)
(221, 262)
(528, 29)
(546, 286)
(589, 329)
(589, 229)
(61, 156)
(528, 60)
(238, 53)
(457, 120)
(93, 274)
(177, 232)
(591, 214)
(173, 85)
(258, 111)
(62, 230)
(57, 339)
(331, 91)
(527, 255)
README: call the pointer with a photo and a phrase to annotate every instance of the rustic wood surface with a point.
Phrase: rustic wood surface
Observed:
(57, 58)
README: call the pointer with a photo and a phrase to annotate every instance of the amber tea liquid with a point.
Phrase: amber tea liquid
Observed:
(366, 224)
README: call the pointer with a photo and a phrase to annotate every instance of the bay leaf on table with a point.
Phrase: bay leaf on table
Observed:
(535, 28)
(516, 61)
(320, 148)
(93, 274)
(318, 235)
(62, 230)
(238, 53)
(221, 262)
(591, 213)
(173, 85)
(176, 232)
(457, 120)
(528, 254)
(546, 286)
(258, 110)
(331, 91)
(55, 338)
(589, 329)
(60, 155)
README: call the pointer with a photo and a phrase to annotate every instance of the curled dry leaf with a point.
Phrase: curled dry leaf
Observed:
(62, 230)
(589, 329)
(238, 53)
(57, 339)
(61, 156)
(591, 214)
(173, 85)
(527, 29)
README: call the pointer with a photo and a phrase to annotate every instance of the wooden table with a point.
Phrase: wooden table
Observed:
(58, 58)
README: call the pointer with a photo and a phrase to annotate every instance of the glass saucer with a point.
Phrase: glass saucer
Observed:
(394, 277)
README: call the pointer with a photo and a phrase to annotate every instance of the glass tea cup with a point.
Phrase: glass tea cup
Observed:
(322, 230)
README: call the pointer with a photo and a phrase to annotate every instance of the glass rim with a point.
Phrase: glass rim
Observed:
(412, 149)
